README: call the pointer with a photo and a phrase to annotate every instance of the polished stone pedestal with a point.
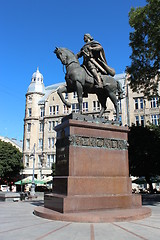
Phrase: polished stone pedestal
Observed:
(92, 172)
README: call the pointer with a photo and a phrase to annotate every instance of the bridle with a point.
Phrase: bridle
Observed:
(67, 65)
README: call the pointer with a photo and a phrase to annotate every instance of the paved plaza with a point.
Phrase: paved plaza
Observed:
(17, 222)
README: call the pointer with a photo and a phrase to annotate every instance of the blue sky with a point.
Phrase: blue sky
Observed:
(31, 29)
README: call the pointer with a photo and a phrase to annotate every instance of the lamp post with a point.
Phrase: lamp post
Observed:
(21, 173)
(41, 164)
(33, 183)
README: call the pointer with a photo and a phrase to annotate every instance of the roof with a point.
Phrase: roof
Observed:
(48, 90)
(16, 143)
(36, 85)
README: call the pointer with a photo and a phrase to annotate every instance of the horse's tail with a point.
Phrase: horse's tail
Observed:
(120, 91)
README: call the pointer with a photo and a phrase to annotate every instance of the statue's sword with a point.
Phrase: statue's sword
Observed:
(95, 63)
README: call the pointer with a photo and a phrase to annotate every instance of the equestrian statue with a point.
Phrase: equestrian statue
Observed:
(93, 77)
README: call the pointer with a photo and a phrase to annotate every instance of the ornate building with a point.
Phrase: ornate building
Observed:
(44, 110)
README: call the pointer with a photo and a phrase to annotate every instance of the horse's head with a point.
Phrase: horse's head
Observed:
(64, 55)
(61, 54)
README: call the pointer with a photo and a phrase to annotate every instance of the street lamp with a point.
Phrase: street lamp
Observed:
(41, 164)
(33, 183)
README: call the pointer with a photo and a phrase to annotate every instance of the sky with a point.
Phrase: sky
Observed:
(31, 29)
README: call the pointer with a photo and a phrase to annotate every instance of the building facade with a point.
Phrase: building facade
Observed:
(44, 110)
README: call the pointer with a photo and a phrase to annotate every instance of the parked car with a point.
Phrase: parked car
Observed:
(4, 188)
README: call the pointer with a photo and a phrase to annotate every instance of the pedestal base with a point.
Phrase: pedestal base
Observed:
(69, 204)
(111, 215)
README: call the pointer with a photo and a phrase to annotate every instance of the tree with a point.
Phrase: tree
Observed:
(145, 44)
(144, 152)
(10, 162)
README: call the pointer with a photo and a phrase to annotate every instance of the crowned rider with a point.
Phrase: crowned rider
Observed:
(94, 59)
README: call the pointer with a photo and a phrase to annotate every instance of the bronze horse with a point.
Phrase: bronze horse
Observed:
(80, 81)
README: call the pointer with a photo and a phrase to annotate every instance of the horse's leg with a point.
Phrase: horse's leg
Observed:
(102, 99)
(79, 94)
(61, 90)
(113, 98)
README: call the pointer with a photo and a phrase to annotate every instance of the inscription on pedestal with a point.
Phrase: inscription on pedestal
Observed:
(62, 157)
(109, 143)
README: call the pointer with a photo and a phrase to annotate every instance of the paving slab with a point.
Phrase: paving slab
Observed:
(17, 222)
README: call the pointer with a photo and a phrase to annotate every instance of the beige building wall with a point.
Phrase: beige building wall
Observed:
(44, 110)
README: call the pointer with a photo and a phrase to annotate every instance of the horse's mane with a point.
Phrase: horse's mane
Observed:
(68, 50)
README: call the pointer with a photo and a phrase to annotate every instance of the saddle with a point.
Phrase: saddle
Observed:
(91, 80)
(89, 77)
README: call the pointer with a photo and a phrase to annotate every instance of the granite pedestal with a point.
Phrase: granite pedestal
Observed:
(92, 172)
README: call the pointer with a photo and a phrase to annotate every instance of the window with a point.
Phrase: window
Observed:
(56, 123)
(120, 119)
(41, 127)
(50, 160)
(29, 112)
(28, 143)
(137, 120)
(66, 96)
(136, 103)
(142, 121)
(154, 102)
(29, 127)
(141, 103)
(40, 145)
(155, 119)
(85, 106)
(65, 109)
(53, 110)
(49, 142)
(74, 94)
(75, 107)
(42, 111)
(49, 128)
(29, 99)
(57, 109)
(50, 110)
(52, 142)
(96, 106)
(53, 125)
(39, 161)
(27, 161)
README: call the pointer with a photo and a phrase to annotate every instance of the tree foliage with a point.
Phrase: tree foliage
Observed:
(145, 44)
(144, 151)
(10, 162)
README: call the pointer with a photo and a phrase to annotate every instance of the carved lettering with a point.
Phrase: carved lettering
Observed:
(114, 144)
(107, 143)
(85, 141)
(100, 142)
(93, 142)
(78, 140)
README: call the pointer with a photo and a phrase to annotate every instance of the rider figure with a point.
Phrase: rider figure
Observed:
(94, 59)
